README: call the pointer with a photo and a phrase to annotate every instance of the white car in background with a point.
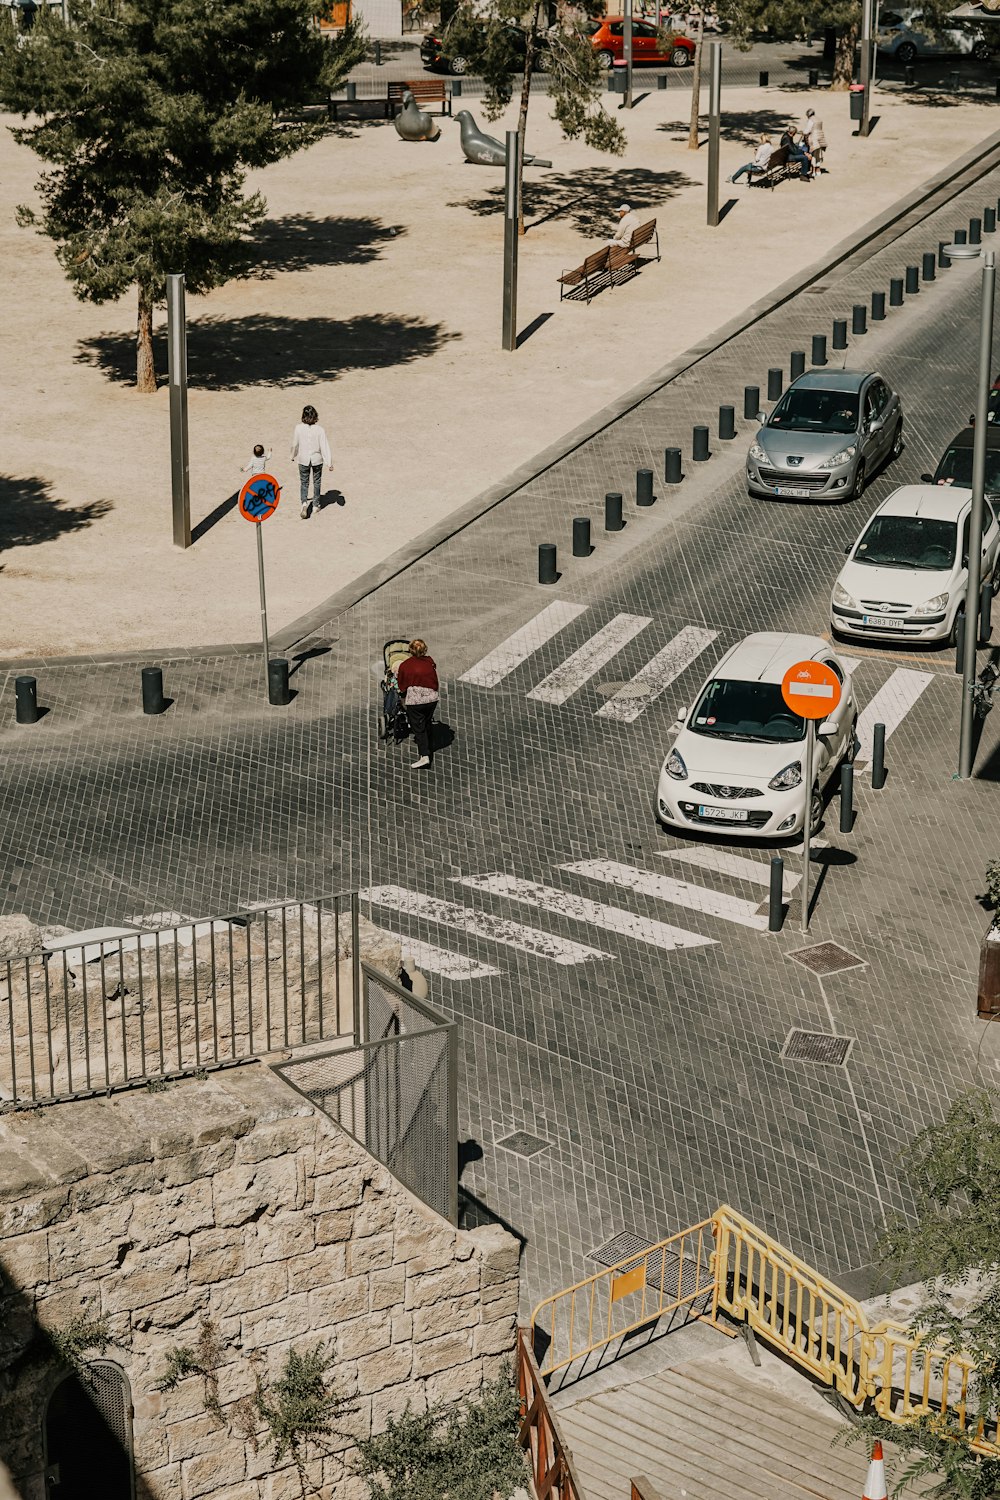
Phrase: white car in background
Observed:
(908, 34)
(906, 575)
(737, 759)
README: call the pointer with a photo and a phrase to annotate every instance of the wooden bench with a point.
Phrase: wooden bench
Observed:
(642, 236)
(611, 261)
(778, 168)
(424, 91)
(588, 275)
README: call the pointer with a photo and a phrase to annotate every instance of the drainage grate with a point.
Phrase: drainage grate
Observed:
(816, 291)
(827, 958)
(818, 1047)
(523, 1143)
(623, 1247)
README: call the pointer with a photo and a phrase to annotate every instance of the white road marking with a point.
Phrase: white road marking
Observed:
(658, 673)
(737, 865)
(522, 644)
(665, 888)
(448, 965)
(850, 664)
(481, 924)
(566, 904)
(890, 706)
(577, 669)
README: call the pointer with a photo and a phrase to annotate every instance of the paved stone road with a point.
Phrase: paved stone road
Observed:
(651, 1073)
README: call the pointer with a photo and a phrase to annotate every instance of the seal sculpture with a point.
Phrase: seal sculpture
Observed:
(485, 150)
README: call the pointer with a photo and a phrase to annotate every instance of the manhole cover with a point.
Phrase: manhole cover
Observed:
(523, 1143)
(816, 291)
(634, 689)
(817, 1047)
(623, 1246)
(827, 958)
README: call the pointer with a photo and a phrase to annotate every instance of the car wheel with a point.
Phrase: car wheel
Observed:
(816, 812)
(955, 627)
(857, 489)
(847, 759)
(680, 57)
(460, 66)
(907, 53)
(897, 442)
(981, 51)
(606, 59)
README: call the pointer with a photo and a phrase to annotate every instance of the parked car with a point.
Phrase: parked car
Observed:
(829, 432)
(955, 463)
(736, 761)
(443, 54)
(906, 575)
(907, 35)
(607, 37)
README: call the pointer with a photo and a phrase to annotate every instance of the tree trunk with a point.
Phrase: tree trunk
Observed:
(843, 60)
(696, 84)
(522, 114)
(145, 369)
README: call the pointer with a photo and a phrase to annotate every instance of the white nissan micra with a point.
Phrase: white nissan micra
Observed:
(737, 760)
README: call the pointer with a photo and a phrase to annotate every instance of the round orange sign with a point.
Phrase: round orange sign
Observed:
(811, 689)
(259, 497)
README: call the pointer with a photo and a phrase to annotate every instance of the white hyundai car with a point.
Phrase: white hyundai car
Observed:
(737, 761)
(906, 574)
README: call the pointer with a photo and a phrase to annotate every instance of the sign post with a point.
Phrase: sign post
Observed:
(812, 691)
(512, 213)
(258, 500)
(628, 55)
(180, 485)
(714, 127)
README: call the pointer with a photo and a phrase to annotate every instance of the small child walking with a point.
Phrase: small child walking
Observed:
(259, 462)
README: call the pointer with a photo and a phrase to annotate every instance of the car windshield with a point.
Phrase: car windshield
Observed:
(908, 542)
(752, 711)
(805, 410)
(956, 468)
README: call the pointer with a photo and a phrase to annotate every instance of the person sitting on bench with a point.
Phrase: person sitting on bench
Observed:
(759, 164)
(628, 222)
(797, 152)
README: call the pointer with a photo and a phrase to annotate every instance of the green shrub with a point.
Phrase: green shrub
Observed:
(993, 884)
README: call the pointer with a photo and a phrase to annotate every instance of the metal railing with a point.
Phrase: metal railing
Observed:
(539, 1434)
(395, 1090)
(110, 1012)
(758, 1282)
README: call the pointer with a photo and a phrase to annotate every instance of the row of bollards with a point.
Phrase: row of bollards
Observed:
(27, 711)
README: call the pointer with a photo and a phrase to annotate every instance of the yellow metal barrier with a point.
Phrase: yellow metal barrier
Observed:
(727, 1264)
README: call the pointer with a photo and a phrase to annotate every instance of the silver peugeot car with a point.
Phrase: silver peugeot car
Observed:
(827, 435)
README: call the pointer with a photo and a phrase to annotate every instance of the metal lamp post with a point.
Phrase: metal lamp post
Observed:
(972, 587)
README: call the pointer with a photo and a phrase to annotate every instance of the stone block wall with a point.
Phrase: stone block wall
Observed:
(231, 1198)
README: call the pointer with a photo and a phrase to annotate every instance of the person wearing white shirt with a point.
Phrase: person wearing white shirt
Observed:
(628, 222)
(814, 136)
(311, 450)
(759, 164)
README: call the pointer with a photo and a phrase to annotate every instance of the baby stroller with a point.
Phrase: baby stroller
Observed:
(392, 721)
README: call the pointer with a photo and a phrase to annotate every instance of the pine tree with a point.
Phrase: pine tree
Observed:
(562, 49)
(148, 115)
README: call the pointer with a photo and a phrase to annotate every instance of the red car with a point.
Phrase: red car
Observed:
(608, 40)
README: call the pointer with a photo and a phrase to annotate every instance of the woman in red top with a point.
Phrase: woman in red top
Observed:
(417, 680)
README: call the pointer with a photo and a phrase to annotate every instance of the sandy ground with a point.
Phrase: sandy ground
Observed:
(377, 298)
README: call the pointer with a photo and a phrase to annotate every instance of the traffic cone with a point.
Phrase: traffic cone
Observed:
(875, 1483)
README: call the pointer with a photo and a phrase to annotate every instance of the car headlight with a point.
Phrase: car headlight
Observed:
(843, 457)
(932, 606)
(843, 598)
(675, 767)
(757, 454)
(786, 779)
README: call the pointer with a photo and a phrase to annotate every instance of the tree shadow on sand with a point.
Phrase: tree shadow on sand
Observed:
(29, 514)
(588, 198)
(298, 242)
(736, 125)
(226, 354)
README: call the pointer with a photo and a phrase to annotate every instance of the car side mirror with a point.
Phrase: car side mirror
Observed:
(828, 726)
(681, 715)
(847, 550)
(762, 417)
(927, 479)
(876, 424)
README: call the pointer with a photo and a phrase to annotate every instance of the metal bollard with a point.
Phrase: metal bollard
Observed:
(819, 348)
(644, 487)
(840, 333)
(613, 518)
(912, 280)
(351, 90)
(929, 263)
(975, 231)
(378, 54)
(859, 318)
(998, 88)
(797, 364)
(909, 76)
(25, 700)
(277, 682)
(989, 220)
(661, 81)
(878, 306)
(751, 402)
(456, 88)
(727, 422)
(960, 237)
(152, 690)
(985, 613)
(581, 536)
(814, 78)
(776, 895)
(547, 562)
(775, 384)
(699, 444)
(944, 264)
(896, 292)
(959, 641)
(672, 466)
(846, 797)
(878, 756)
(763, 78)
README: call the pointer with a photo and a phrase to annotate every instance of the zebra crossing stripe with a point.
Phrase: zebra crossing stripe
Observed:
(657, 675)
(850, 664)
(448, 965)
(577, 669)
(481, 924)
(666, 888)
(725, 863)
(890, 706)
(522, 644)
(579, 909)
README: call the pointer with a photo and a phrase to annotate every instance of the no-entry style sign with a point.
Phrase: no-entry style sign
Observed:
(811, 689)
(259, 497)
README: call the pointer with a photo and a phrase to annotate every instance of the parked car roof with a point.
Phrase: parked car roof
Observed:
(833, 380)
(767, 655)
(936, 502)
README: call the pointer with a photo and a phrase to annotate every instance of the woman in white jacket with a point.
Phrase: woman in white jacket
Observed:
(311, 450)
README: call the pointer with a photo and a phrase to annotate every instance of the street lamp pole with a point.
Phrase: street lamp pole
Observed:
(971, 641)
